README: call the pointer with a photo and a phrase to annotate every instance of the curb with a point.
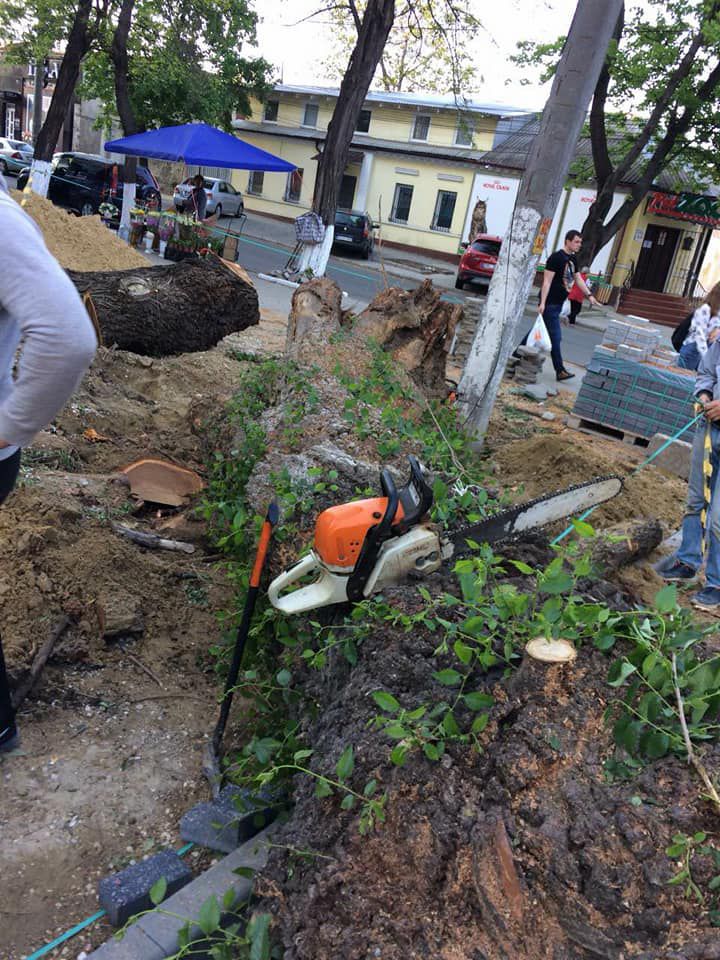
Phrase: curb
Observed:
(155, 935)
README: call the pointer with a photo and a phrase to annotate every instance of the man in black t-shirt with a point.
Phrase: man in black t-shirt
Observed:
(560, 274)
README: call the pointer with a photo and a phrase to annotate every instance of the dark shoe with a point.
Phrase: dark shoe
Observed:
(564, 375)
(9, 739)
(675, 570)
(707, 599)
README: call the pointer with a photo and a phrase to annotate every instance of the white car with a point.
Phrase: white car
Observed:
(222, 197)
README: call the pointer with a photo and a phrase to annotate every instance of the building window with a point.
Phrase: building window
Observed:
(271, 111)
(400, 212)
(421, 127)
(256, 181)
(464, 132)
(444, 210)
(363, 124)
(310, 116)
(294, 186)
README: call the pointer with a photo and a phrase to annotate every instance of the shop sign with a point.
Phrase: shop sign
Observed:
(686, 206)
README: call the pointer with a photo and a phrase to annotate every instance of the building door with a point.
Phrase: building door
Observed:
(656, 258)
(347, 192)
(10, 121)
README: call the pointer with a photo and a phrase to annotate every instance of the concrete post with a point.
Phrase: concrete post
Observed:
(361, 194)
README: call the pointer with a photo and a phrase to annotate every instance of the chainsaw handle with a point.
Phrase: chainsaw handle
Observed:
(328, 588)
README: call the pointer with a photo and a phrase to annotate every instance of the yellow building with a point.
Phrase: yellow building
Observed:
(412, 162)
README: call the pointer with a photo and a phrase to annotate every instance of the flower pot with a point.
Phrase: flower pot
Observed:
(149, 239)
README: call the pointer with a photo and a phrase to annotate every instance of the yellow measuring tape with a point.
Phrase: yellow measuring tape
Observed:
(707, 476)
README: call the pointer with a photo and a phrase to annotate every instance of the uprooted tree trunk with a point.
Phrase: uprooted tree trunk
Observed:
(180, 308)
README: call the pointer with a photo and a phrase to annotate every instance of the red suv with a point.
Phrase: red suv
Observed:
(478, 261)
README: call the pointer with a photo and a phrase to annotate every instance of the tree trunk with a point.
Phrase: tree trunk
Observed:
(552, 151)
(119, 57)
(372, 36)
(77, 46)
(417, 328)
(161, 311)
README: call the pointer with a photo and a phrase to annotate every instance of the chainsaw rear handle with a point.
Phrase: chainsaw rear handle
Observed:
(328, 588)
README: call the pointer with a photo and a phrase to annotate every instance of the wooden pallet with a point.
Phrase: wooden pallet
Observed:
(596, 429)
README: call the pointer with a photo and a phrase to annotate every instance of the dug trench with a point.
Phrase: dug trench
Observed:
(522, 848)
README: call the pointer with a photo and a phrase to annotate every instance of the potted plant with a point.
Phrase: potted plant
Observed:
(166, 230)
(137, 226)
(109, 213)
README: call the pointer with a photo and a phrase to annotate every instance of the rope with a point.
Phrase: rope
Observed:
(648, 460)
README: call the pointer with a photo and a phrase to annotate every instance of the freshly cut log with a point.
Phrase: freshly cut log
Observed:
(417, 328)
(180, 308)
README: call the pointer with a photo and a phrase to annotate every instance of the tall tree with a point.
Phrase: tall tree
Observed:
(428, 47)
(373, 28)
(580, 65)
(655, 102)
(40, 25)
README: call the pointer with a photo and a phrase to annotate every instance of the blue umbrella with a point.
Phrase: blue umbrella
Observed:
(197, 144)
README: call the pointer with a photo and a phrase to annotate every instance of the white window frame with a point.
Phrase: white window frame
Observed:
(396, 194)
(436, 212)
(421, 116)
(277, 112)
(465, 128)
(250, 188)
(312, 126)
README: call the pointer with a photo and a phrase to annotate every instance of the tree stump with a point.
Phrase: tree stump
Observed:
(417, 328)
(179, 308)
(315, 314)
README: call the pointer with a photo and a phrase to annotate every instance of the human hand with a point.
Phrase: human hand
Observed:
(712, 410)
(713, 335)
(4, 443)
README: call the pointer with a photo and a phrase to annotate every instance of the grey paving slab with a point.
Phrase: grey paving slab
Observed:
(127, 892)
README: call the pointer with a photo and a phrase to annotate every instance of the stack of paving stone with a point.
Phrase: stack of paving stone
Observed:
(638, 398)
(465, 330)
(526, 366)
(632, 341)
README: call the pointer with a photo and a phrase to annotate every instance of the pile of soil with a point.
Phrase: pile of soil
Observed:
(551, 461)
(80, 243)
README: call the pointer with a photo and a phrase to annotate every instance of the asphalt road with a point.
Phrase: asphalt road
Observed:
(363, 283)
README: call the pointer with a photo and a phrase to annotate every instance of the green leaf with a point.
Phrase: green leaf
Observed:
(478, 700)
(480, 722)
(386, 701)
(247, 872)
(398, 754)
(583, 529)
(666, 599)
(300, 755)
(522, 567)
(636, 801)
(675, 850)
(158, 891)
(283, 678)
(449, 724)
(463, 652)
(323, 788)
(619, 671)
(346, 764)
(228, 900)
(714, 883)
(448, 678)
(369, 788)
(209, 916)
(654, 744)
(348, 802)
(554, 741)
(396, 731)
(432, 751)
(258, 933)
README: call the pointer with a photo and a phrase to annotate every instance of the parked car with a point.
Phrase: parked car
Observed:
(222, 197)
(14, 155)
(479, 261)
(80, 182)
(354, 231)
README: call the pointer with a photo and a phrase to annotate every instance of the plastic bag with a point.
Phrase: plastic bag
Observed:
(565, 309)
(538, 336)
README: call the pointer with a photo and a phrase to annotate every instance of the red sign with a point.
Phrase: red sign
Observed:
(686, 206)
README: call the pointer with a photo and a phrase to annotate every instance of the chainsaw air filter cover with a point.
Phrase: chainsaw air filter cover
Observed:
(340, 531)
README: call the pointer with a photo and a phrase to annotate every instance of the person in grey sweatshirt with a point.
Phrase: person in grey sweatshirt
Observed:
(698, 544)
(42, 314)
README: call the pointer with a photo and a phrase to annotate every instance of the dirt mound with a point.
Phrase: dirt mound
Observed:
(80, 243)
(479, 849)
(551, 461)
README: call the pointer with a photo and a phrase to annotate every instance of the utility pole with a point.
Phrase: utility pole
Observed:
(548, 162)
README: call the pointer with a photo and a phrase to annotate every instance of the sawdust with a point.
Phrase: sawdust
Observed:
(80, 243)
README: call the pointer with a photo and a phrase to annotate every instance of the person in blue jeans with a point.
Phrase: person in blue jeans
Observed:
(686, 562)
(559, 277)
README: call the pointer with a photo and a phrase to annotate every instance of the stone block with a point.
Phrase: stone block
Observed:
(126, 893)
(675, 458)
(223, 824)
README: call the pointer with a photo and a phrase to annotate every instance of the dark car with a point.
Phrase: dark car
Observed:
(354, 231)
(479, 261)
(82, 181)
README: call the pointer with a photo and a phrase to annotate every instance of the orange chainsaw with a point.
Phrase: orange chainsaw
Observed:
(364, 546)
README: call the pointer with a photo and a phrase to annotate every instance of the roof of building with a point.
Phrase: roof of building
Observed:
(430, 100)
(362, 140)
(513, 152)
